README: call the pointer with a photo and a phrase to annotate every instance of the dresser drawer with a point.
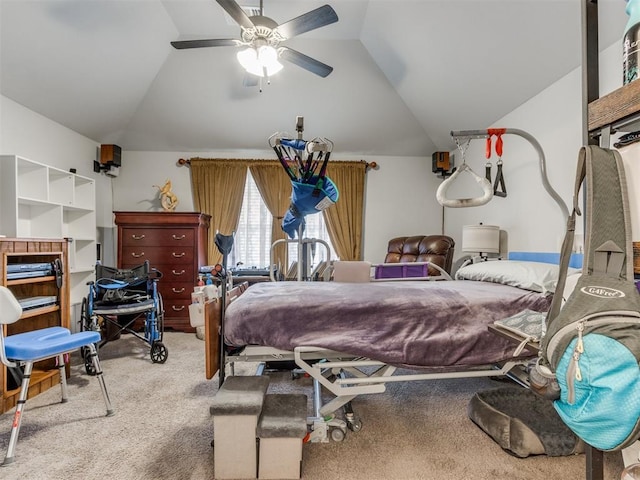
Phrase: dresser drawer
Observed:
(178, 272)
(141, 236)
(175, 255)
(175, 244)
(176, 290)
(176, 308)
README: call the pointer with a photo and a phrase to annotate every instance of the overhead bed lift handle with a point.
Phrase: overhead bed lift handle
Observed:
(487, 190)
(538, 149)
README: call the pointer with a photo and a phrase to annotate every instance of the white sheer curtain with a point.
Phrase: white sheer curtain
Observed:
(252, 243)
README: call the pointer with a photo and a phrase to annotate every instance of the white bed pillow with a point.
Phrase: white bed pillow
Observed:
(534, 276)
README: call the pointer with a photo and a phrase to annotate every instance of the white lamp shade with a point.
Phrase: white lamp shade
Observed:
(481, 239)
(260, 62)
(247, 58)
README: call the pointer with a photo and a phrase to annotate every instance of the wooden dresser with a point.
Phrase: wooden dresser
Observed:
(176, 245)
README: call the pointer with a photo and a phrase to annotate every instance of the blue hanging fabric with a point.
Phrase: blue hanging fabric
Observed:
(311, 192)
(306, 199)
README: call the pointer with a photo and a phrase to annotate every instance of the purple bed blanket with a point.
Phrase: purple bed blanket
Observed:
(406, 324)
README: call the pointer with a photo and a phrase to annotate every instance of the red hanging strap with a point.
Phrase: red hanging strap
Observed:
(498, 132)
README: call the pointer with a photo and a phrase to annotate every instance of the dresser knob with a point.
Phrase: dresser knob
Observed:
(137, 237)
(181, 272)
(137, 255)
(175, 290)
(178, 255)
(177, 309)
(178, 237)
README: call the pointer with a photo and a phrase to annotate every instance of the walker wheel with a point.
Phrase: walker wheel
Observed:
(88, 362)
(337, 434)
(159, 352)
(84, 323)
(355, 425)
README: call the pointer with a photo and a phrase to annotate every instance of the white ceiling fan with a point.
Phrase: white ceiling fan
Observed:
(261, 41)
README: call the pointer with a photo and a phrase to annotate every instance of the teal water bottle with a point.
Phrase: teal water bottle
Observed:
(631, 43)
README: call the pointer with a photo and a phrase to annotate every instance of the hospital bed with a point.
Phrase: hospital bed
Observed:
(352, 338)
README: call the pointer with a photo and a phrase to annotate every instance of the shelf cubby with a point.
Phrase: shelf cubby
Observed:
(18, 251)
(40, 201)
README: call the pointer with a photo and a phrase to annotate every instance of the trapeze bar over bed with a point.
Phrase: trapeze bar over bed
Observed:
(471, 134)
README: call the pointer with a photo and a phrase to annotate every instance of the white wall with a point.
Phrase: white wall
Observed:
(28, 134)
(399, 194)
(531, 218)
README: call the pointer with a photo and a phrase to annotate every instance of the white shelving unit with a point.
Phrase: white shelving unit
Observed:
(39, 201)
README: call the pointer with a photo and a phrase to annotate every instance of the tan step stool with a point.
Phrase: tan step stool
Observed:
(281, 429)
(235, 409)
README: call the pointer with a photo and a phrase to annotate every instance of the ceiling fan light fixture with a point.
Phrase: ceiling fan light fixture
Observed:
(261, 36)
(267, 55)
(268, 59)
(262, 62)
(248, 58)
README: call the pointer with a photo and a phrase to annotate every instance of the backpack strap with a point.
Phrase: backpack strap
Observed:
(608, 224)
(604, 174)
(567, 244)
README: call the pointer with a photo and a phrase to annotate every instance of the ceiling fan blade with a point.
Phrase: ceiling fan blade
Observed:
(317, 18)
(304, 61)
(214, 42)
(236, 12)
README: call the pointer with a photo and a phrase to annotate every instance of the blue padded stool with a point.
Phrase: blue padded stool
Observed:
(30, 347)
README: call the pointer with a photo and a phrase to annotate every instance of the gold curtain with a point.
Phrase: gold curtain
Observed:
(275, 188)
(344, 219)
(218, 189)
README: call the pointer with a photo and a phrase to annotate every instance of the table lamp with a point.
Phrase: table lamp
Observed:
(481, 239)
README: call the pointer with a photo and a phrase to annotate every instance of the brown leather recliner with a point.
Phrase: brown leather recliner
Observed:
(436, 249)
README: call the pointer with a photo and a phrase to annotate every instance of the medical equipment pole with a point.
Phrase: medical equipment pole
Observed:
(300, 252)
(298, 241)
(543, 167)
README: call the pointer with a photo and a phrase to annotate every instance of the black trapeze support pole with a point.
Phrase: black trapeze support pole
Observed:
(590, 65)
(594, 458)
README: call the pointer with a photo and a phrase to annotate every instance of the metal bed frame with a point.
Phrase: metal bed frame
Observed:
(329, 369)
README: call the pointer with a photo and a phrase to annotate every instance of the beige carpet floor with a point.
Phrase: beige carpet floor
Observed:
(162, 428)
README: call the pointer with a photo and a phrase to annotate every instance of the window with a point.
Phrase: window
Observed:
(252, 244)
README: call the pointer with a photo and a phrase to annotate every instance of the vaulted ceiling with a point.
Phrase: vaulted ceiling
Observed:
(406, 72)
